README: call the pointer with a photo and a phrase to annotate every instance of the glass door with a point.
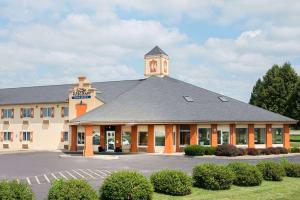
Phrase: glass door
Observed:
(223, 137)
(110, 140)
(96, 141)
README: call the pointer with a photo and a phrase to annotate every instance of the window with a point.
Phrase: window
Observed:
(65, 112)
(277, 134)
(47, 112)
(241, 136)
(126, 138)
(223, 137)
(7, 113)
(80, 138)
(204, 136)
(26, 136)
(174, 137)
(66, 136)
(7, 136)
(143, 138)
(159, 138)
(184, 134)
(259, 135)
(96, 138)
(27, 112)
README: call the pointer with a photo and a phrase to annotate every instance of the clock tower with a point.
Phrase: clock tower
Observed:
(156, 63)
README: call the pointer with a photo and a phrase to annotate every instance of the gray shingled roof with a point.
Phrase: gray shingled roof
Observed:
(156, 51)
(106, 91)
(162, 100)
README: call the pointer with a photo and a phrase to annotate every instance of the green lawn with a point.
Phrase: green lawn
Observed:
(289, 189)
(295, 140)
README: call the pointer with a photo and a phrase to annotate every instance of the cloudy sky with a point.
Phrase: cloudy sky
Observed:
(224, 46)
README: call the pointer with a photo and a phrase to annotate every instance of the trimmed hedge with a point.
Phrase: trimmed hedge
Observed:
(245, 174)
(129, 185)
(194, 150)
(210, 150)
(213, 177)
(227, 150)
(291, 169)
(172, 182)
(295, 150)
(271, 171)
(14, 190)
(71, 189)
(253, 152)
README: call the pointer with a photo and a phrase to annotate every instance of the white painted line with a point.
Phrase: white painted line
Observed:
(107, 171)
(54, 176)
(37, 180)
(79, 174)
(71, 175)
(101, 172)
(87, 174)
(63, 175)
(28, 180)
(95, 173)
(47, 179)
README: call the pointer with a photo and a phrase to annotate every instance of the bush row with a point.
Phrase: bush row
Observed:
(132, 185)
(231, 150)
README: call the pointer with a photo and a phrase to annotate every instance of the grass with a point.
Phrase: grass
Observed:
(286, 189)
(295, 140)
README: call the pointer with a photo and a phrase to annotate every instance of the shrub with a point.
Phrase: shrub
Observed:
(291, 169)
(71, 189)
(14, 190)
(274, 150)
(194, 150)
(253, 151)
(295, 150)
(266, 151)
(210, 150)
(282, 150)
(128, 185)
(172, 182)
(213, 177)
(242, 151)
(271, 171)
(227, 150)
(245, 174)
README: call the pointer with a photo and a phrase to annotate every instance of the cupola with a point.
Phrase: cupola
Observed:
(156, 63)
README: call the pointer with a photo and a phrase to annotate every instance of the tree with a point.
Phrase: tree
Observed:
(275, 89)
(294, 103)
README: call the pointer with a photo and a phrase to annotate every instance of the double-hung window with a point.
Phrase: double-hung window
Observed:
(27, 112)
(204, 136)
(64, 111)
(47, 112)
(241, 136)
(259, 135)
(277, 135)
(66, 136)
(143, 138)
(185, 134)
(8, 113)
(7, 136)
(159, 138)
(80, 138)
(26, 136)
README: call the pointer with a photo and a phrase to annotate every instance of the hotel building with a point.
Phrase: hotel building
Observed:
(154, 114)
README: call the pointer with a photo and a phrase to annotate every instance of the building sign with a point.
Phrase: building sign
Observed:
(81, 93)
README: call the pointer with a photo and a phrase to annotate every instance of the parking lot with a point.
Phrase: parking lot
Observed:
(38, 169)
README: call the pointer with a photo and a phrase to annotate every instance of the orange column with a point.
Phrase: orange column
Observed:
(214, 135)
(134, 138)
(88, 141)
(286, 136)
(73, 138)
(169, 139)
(193, 130)
(118, 136)
(150, 148)
(80, 109)
(269, 141)
(233, 134)
(177, 138)
(102, 137)
(250, 135)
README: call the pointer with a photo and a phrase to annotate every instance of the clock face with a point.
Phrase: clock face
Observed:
(153, 66)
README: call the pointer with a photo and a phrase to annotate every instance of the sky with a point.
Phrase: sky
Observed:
(223, 46)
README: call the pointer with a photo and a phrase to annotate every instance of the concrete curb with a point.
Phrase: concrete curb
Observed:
(96, 157)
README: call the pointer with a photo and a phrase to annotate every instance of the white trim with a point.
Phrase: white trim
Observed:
(243, 146)
(277, 126)
(260, 146)
(277, 145)
(241, 126)
(260, 126)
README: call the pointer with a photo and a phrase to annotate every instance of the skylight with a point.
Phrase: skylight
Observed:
(223, 99)
(188, 98)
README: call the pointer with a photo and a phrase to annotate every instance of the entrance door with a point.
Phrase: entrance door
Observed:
(110, 140)
(223, 137)
(96, 141)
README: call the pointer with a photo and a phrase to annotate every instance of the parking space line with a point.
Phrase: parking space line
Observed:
(79, 174)
(95, 173)
(101, 172)
(54, 176)
(37, 180)
(74, 177)
(28, 180)
(107, 171)
(47, 179)
(87, 173)
(62, 175)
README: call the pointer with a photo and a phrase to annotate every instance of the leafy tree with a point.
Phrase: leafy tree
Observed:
(294, 103)
(275, 89)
